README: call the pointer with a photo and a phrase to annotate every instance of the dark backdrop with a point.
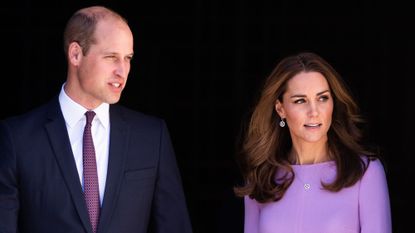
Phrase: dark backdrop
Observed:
(199, 65)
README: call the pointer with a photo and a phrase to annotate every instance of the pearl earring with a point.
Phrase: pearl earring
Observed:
(282, 123)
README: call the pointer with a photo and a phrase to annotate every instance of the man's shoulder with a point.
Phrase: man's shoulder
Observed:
(38, 113)
(32, 120)
(134, 116)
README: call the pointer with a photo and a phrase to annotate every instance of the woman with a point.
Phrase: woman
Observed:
(304, 167)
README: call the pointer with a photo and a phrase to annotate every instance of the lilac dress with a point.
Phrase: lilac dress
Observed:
(307, 208)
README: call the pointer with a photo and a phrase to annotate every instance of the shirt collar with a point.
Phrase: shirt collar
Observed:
(74, 112)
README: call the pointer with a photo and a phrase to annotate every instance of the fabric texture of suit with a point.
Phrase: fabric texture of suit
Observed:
(40, 190)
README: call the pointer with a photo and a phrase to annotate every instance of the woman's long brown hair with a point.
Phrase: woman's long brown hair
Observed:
(265, 147)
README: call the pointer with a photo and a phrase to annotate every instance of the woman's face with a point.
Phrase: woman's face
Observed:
(307, 107)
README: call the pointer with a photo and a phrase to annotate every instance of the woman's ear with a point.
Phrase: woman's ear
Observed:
(74, 53)
(279, 109)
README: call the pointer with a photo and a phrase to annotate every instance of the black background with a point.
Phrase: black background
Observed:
(199, 65)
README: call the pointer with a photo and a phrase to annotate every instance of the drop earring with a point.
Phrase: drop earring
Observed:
(282, 123)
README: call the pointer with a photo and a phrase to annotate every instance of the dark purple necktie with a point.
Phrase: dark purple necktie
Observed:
(91, 190)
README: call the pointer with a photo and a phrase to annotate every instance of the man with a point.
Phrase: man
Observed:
(82, 164)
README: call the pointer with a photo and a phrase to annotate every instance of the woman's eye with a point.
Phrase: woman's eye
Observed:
(299, 101)
(324, 98)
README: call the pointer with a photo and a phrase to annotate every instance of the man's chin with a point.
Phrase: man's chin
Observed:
(113, 100)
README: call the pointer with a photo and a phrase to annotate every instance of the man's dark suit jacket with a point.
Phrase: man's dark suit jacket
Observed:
(40, 191)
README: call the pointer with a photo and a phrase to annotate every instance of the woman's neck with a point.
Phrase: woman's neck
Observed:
(309, 154)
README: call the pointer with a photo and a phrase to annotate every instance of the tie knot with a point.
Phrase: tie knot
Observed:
(89, 116)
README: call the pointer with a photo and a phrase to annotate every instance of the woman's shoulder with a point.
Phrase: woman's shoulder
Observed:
(375, 168)
(372, 163)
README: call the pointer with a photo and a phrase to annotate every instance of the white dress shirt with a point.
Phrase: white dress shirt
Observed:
(74, 115)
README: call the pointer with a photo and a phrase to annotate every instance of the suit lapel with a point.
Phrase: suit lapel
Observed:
(59, 139)
(119, 137)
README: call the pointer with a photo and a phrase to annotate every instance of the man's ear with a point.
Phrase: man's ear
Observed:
(280, 109)
(74, 53)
